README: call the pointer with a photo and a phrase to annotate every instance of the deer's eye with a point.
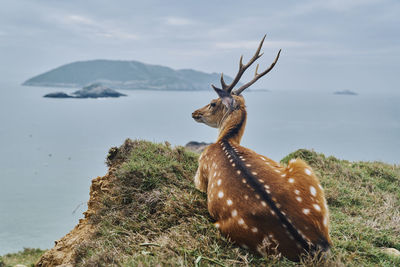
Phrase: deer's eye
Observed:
(212, 104)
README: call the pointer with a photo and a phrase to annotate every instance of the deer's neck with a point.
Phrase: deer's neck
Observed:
(232, 128)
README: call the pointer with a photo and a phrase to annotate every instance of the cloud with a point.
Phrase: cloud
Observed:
(254, 44)
(88, 26)
(77, 19)
(332, 5)
(178, 21)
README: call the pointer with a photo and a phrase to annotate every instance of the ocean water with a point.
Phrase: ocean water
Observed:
(52, 148)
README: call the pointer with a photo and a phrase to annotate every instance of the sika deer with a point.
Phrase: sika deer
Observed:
(255, 201)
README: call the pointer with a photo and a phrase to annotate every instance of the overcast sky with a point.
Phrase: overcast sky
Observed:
(326, 45)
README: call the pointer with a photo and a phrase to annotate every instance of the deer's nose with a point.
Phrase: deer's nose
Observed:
(196, 115)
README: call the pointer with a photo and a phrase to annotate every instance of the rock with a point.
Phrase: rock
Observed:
(345, 92)
(91, 91)
(95, 91)
(391, 252)
(196, 147)
(58, 95)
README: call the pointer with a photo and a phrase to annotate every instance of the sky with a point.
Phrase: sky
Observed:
(326, 45)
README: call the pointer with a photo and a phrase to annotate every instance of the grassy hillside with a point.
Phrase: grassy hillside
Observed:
(154, 214)
(26, 257)
(149, 212)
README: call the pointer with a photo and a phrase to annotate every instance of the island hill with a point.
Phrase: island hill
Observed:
(125, 75)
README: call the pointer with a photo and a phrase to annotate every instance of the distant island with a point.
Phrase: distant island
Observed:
(345, 92)
(92, 91)
(125, 75)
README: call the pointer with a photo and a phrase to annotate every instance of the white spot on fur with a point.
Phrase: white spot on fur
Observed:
(217, 225)
(272, 212)
(244, 181)
(277, 171)
(266, 186)
(220, 194)
(313, 191)
(254, 173)
(270, 235)
(261, 180)
(234, 213)
(215, 174)
(238, 172)
(231, 160)
(283, 175)
(263, 203)
(254, 229)
(240, 221)
(229, 202)
(246, 197)
(291, 180)
(317, 207)
(298, 199)
(258, 196)
(290, 236)
(297, 192)
(307, 171)
(219, 182)
(306, 211)
(325, 220)
(291, 169)
(233, 164)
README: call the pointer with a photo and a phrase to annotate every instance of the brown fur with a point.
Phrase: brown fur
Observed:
(233, 176)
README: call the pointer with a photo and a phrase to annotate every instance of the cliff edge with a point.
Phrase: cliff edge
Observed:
(146, 212)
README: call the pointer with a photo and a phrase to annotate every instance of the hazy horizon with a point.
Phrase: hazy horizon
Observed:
(326, 45)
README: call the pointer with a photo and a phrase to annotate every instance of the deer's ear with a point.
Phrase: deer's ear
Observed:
(226, 98)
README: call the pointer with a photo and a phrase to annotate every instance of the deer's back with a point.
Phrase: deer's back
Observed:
(255, 200)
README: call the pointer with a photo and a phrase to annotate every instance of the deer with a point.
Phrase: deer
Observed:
(256, 202)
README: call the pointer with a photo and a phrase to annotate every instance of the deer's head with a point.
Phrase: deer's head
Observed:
(229, 100)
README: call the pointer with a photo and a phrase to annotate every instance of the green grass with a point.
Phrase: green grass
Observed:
(154, 215)
(27, 257)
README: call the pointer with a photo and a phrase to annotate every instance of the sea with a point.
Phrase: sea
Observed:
(51, 149)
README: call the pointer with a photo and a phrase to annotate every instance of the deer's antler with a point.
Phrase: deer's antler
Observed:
(257, 75)
(242, 68)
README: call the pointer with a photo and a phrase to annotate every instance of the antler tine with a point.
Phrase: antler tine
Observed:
(242, 68)
(257, 76)
(224, 85)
